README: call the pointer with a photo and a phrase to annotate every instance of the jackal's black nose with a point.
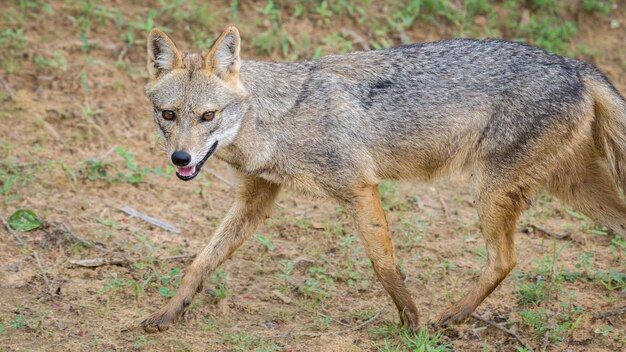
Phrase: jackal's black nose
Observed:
(181, 158)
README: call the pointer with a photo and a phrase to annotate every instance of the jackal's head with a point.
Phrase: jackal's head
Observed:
(199, 101)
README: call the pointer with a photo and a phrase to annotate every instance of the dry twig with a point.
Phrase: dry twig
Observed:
(333, 319)
(13, 232)
(501, 328)
(610, 313)
(340, 332)
(149, 219)
(87, 243)
(95, 262)
(444, 206)
(10, 91)
(558, 236)
(43, 273)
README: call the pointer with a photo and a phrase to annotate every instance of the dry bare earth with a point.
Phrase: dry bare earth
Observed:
(304, 274)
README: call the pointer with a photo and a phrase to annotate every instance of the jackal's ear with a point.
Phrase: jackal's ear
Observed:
(163, 56)
(223, 57)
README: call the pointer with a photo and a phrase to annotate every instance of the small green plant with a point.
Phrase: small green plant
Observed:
(144, 342)
(275, 39)
(388, 194)
(134, 174)
(447, 266)
(118, 284)
(169, 282)
(24, 220)
(13, 37)
(555, 327)
(95, 169)
(220, 282)
(541, 282)
(601, 6)
(420, 341)
(12, 40)
(240, 342)
(57, 62)
(286, 271)
(603, 330)
(19, 321)
(611, 279)
(266, 241)
(318, 287)
(7, 184)
(145, 25)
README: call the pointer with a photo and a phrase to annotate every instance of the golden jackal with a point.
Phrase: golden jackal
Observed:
(511, 116)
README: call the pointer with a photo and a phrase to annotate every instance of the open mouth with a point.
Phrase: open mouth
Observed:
(190, 172)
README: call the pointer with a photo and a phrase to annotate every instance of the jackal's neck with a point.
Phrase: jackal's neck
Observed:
(273, 86)
(273, 90)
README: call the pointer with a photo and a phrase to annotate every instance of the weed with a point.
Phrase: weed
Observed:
(118, 284)
(220, 281)
(603, 330)
(12, 39)
(134, 174)
(388, 194)
(447, 266)
(318, 287)
(144, 342)
(275, 39)
(240, 342)
(601, 6)
(543, 281)
(7, 184)
(57, 62)
(24, 220)
(404, 340)
(266, 241)
(286, 271)
(95, 169)
(611, 279)
(169, 282)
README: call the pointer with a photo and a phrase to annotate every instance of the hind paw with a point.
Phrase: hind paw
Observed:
(452, 315)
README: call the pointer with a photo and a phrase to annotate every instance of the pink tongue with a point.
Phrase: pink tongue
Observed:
(186, 171)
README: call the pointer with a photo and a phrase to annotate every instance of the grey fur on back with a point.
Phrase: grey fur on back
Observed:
(415, 111)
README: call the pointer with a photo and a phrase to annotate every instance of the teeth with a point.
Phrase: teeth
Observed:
(186, 171)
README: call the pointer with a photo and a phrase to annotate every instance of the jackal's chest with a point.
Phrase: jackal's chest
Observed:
(271, 176)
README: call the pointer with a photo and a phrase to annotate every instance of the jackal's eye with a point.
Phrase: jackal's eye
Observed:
(168, 115)
(208, 116)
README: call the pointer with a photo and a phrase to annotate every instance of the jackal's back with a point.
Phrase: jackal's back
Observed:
(419, 110)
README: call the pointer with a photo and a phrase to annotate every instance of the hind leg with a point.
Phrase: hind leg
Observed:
(592, 192)
(498, 211)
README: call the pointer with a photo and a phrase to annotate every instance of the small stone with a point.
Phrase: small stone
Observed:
(282, 297)
(318, 226)
(13, 267)
(271, 325)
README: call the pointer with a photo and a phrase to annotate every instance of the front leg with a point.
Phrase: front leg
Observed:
(253, 203)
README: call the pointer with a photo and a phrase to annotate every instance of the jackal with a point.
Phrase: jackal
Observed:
(512, 117)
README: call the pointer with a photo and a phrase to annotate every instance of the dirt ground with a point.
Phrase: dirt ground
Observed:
(78, 144)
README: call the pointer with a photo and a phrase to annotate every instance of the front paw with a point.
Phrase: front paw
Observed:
(160, 321)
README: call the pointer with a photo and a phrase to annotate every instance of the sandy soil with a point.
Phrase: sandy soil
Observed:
(55, 121)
